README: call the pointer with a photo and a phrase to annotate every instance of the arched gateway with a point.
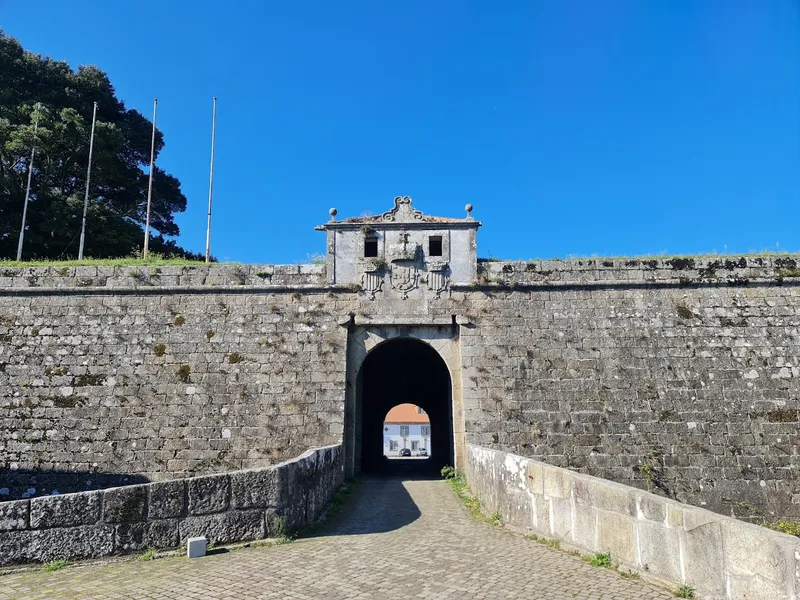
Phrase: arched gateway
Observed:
(401, 345)
(400, 371)
(395, 364)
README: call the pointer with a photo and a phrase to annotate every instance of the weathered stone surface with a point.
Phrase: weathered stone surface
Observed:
(275, 523)
(615, 534)
(159, 534)
(255, 489)
(90, 541)
(703, 558)
(65, 511)
(535, 478)
(719, 556)
(615, 498)
(225, 527)
(659, 549)
(561, 518)
(166, 499)
(515, 508)
(209, 494)
(674, 515)
(125, 505)
(584, 525)
(756, 588)
(557, 484)
(541, 515)
(696, 517)
(651, 509)
(15, 547)
(14, 515)
(129, 526)
(294, 501)
(770, 558)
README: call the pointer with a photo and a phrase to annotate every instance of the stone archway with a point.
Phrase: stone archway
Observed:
(400, 371)
(391, 365)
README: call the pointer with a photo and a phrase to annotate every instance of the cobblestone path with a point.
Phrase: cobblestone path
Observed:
(394, 539)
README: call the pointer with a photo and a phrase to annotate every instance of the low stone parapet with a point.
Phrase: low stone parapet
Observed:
(160, 277)
(679, 544)
(231, 507)
(723, 270)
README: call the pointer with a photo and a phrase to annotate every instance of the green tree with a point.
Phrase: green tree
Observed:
(31, 87)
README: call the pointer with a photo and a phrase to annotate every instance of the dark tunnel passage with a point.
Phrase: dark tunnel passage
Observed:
(404, 371)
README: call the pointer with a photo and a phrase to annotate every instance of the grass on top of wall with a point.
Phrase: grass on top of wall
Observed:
(155, 260)
(664, 256)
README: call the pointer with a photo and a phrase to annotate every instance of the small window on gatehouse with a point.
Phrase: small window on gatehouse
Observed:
(370, 246)
(435, 245)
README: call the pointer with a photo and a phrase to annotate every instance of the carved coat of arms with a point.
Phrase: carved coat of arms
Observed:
(404, 278)
(438, 281)
(371, 283)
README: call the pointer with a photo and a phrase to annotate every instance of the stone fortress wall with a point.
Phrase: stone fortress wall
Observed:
(674, 375)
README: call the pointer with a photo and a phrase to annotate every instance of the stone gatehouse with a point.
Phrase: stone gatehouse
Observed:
(678, 375)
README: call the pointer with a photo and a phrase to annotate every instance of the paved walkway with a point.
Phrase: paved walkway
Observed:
(395, 539)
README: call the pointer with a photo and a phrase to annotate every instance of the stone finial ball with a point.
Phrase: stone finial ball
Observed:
(333, 212)
(468, 208)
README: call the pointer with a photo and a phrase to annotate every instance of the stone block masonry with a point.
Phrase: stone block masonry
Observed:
(239, 506)
(679, 376)
(110, 376)
(722, 558)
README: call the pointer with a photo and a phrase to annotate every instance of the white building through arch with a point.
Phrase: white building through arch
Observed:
(406, 427)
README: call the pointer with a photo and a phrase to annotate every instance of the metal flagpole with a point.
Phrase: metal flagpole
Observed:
(28, 189)
(88, 177)
(150, 182)
(211, 180)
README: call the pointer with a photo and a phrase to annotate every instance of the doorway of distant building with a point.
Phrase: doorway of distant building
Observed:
(406, 433)
(404, 403)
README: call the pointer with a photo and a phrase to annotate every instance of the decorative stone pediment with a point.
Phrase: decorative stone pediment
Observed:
(402, 211)
(414, 254)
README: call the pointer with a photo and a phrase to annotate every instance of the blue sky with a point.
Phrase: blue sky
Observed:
(575, 128)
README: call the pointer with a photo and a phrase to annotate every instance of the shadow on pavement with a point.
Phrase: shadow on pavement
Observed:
(407, 468)
(378, 504)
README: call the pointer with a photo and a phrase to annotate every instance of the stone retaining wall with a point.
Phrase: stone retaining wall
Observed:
(232, 507)
(721, 557)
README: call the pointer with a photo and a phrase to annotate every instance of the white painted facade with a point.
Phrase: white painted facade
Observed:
(415, 437)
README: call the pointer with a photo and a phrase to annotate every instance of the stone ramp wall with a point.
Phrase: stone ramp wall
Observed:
(232, 507)
(721, 557)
